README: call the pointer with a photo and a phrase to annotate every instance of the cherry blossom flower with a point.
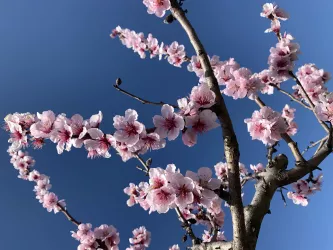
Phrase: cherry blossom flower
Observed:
(161, 199)
(257, 168)
(174, 247)
(266, 125)
(153, 47)
(176, 54)
(128, 128)
(157, 7)
(207, 237)
(202, 96)
(183, 187)
(62, 134)
(302, 189)
(18, 137)
(313, 81)
(151, 141)
(141, 238)
(195, 66)
(169, 124)
(44, 127)
(99, 144)
(205, 180)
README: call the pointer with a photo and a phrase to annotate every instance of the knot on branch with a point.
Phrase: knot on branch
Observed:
(278, 164)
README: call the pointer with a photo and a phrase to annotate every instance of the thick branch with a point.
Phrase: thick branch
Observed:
(229, 136)
(143, 101)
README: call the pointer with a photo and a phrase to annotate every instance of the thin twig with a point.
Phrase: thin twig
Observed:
(290, 95)
(68, 215)
(146, 167)
(315, 144)
(143, 101)
(187, 226)
(282, 196)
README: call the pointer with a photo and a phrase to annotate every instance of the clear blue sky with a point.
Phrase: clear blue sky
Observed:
(58, 55)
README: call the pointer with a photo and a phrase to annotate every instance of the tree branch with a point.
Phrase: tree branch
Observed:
(229, 136)
(313, 144)
(290, 95)
(187, 227)
(68, 215)
(143, 101)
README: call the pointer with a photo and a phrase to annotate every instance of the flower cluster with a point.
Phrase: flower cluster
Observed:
(267, 125)
(103, 237)
(324, 108)
(304, 188)
(282, 57)
(157, 7)
(207, 237)
(221, 171)
(175, 53)
(243, 84)
(193, 194)
(313, 81)
(24, 163)
(274, 13)
(238, 82)
(141, 239)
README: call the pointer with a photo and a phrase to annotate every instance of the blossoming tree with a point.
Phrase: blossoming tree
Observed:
(197, 197)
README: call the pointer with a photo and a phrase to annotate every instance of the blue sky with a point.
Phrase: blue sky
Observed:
(58, 55)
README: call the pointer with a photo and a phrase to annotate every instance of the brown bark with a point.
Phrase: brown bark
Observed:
(231, 149)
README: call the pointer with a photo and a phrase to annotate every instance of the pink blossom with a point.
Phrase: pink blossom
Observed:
(128, 128)
(123, 150)
(153, 47)
(313, 81)
(174, 247)
(189, 137)
(151, 141)
(169, 124)
(99, 143)
(223, 71)
(50, 202)
(161, 199)
(272, 11)
(298, 199)
(157, 7)
(18, 136)
(205, 121)
(183, 187)
(176, 54)
(141, 237)
(204, 179)
(195, 66)
(44, 127)
(266, 125)
(202, 96)
(62, 134)
(257, 168)
(207, 237)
